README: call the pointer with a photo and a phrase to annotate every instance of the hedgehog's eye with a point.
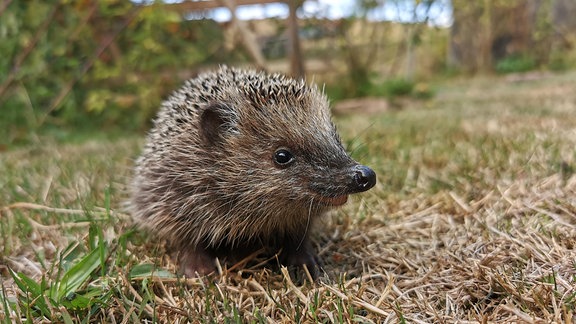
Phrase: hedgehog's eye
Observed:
(283, 157)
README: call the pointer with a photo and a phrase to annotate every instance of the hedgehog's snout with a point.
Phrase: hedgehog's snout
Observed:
(364, 178)
(351, 179)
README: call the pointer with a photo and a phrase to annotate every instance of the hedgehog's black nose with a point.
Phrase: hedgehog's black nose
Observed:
(364, 178)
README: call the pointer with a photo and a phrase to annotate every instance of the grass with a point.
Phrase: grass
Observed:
(473, 220)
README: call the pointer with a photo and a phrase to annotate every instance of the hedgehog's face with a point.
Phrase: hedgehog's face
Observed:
(282, 153)
(326, 174)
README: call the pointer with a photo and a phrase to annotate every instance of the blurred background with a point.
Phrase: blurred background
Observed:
(69, 69)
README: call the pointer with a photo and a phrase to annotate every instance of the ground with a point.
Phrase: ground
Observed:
(473, 219)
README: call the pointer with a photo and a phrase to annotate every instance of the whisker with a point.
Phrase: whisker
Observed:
(307, 225)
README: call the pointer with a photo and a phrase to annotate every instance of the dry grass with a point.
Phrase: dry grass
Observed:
(473, 220)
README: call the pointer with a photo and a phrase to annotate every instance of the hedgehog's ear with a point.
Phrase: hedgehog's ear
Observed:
(215, 123)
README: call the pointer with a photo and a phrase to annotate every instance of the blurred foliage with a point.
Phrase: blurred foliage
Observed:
(105, 65)
(93, 64)
(512, 35)
(391, 88)
(515, 63)
(397, 87)
(358, 62)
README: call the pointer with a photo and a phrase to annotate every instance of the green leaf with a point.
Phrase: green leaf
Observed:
(77, 275)
(83, 301)
(148, 270)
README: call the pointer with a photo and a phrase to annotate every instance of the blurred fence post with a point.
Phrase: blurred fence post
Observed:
(296, 61)
(248, 37)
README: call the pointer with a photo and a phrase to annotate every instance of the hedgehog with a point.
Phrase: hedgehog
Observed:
(239, 161)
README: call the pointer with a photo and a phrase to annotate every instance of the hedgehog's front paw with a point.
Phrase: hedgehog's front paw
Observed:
(196, 262)
(296, 259)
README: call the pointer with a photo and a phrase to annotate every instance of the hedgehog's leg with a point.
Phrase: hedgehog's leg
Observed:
(300, 254)
(196, 261)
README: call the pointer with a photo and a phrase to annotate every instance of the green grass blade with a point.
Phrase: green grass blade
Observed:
(5, 305)
(34, 292)
(26, 284)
